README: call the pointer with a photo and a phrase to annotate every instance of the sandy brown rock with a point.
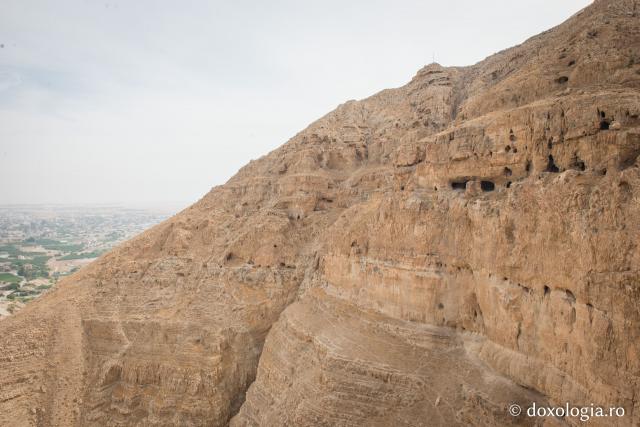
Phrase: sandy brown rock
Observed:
(426, 256)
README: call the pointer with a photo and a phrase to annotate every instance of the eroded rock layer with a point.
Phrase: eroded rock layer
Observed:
(426, 256)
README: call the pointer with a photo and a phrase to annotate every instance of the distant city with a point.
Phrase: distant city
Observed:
(39, 244)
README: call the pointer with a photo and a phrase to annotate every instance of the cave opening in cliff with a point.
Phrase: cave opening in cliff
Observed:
(507, 171)
(551, 165)
(459, 185)
(604, 125)
(487, 186)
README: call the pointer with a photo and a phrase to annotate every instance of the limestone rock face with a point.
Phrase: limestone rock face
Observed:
(426, 256)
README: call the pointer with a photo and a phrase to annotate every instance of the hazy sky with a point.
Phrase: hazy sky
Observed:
(152, 101)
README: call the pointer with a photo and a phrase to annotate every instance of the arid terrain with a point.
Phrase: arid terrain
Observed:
(427, 256)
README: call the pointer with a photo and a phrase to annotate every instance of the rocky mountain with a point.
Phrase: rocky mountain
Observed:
(427, 256)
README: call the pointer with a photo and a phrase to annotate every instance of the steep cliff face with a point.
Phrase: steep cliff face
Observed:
(426, 256)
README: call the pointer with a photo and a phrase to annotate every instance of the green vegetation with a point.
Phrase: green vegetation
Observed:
(12, 250)
(32, 268)
(10, 278)
(10, 287)
(65, 236)
(54, 245)
(39, 241)
(15, 251)
(22, 294)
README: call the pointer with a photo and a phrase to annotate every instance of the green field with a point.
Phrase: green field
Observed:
(12, 250)
(9, 278)
(54, 245)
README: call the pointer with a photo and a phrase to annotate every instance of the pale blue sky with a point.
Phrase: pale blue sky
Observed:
(153, 101)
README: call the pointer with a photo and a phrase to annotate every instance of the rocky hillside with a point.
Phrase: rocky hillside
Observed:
(426, 256)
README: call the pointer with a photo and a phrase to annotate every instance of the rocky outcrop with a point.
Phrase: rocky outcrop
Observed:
(426, 256)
